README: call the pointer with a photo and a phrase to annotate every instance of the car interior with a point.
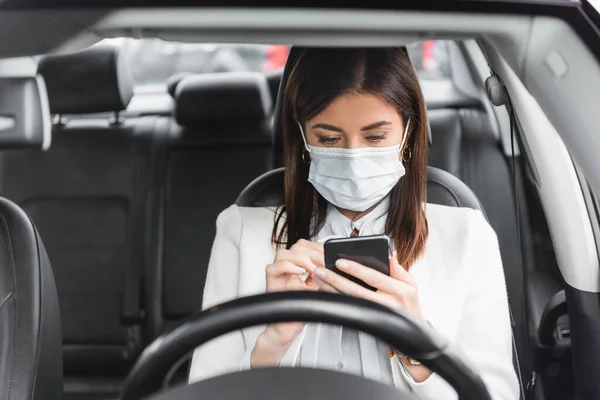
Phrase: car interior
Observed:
(124, 184)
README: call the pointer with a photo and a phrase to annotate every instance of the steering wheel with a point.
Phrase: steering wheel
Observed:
(403, 332)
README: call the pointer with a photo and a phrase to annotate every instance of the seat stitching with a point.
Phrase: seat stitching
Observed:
(16, 325)
(39, 333)
(5, 300)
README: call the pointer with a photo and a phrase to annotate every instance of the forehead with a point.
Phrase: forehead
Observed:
(352, 110)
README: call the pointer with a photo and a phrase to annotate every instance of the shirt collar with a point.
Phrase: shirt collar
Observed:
(370, 224)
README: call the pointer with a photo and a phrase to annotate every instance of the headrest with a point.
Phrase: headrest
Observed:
(174, 80)
(293, 56)
(239, 97)
(24, 113)
(95, 80)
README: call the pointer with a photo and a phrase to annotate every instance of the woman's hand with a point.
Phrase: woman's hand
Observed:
(398, 291)
(283, 275)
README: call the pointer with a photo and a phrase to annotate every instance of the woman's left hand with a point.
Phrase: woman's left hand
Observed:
(398, 291)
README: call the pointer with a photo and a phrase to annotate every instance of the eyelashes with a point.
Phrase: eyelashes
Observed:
(328, 140)
(331, 140)
(375, 138)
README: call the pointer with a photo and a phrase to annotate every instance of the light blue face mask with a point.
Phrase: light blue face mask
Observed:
(355, 179)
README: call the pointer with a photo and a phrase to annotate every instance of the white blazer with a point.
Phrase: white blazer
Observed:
(461, 285)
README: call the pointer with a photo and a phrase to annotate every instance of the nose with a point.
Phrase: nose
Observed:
(353, 142)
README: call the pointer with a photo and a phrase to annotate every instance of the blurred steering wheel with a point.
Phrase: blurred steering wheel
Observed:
(400, 330)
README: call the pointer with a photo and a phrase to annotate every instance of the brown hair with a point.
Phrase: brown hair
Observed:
(320, 76)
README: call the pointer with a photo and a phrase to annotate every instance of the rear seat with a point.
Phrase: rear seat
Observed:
(82, 195)
(220, 142)
(129, 205)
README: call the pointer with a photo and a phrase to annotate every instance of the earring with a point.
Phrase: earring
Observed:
(306, 157)
(406, 155)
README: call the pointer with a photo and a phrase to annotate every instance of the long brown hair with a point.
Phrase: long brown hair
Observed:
(320, 76)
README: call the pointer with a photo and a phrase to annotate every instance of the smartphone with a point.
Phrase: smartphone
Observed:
(370, 251)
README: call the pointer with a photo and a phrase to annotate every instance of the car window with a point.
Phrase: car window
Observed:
(153, 61)
(431, 59)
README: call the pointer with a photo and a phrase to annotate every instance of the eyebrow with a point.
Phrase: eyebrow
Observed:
(375, 125)
(327, 127)
(364, 128)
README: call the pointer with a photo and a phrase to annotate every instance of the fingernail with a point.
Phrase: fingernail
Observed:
(320, 273)
(342, 264)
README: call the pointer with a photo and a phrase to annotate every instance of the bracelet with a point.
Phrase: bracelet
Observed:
(411, 361)
(401, 357)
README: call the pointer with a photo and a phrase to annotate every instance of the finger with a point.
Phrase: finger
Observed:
(301, 260)
(310, 245)
(398, 272)
(298, 284)
(313, 250)
(368, 275)
(316, 257)
(310, 283)
(284, 267)
(323, 286)
(346, 286)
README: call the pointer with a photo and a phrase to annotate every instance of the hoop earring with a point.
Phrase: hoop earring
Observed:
(306, 157)
(406, 155)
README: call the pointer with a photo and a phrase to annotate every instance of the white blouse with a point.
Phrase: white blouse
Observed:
(334, 347)
(462, 292)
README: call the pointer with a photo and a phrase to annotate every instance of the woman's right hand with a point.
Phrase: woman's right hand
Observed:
(284, 275)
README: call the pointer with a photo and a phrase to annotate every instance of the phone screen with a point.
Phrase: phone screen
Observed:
(370, 251)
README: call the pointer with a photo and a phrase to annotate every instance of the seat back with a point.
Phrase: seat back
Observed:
(81, 195)
(221, 141)
(30, 332)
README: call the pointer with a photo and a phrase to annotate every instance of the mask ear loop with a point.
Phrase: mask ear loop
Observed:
(406, 153)
(306, 152)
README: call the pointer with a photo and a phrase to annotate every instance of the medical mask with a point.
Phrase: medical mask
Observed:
(355, 179)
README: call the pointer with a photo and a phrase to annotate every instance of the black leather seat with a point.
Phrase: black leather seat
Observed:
(83, 196)
(30, 333)
(220, 142)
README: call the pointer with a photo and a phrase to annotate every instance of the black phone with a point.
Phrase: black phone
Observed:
(370, 251)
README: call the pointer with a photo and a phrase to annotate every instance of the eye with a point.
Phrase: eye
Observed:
(328, 140)
(376, 138)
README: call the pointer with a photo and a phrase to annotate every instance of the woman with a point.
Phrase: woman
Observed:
(355, 147)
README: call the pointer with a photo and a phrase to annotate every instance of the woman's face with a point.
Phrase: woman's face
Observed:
(354, 121)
